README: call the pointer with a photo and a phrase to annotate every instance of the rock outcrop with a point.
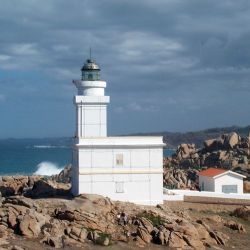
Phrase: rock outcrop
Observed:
(235, 226)
(48, 188)
(229, 151)
(64, 176)
(63, 222)
(242, 212)
(15, 185)
(180, 178)
(37, 186)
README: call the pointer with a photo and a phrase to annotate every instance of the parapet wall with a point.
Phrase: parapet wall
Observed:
(205, 197)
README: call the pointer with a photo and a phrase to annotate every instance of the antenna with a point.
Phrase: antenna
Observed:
(90, 53)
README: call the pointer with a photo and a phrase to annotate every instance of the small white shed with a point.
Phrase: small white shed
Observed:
(221, 181)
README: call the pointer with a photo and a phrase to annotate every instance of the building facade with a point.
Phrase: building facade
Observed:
(122, 168)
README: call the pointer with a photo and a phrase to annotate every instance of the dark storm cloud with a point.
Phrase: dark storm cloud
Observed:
(167, 62)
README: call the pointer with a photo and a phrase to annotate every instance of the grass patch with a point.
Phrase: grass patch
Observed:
(156, 220)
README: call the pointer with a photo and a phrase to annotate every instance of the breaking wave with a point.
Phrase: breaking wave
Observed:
(47, 168)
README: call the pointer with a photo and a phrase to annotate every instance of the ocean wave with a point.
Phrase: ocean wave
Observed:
(48, 146)
(47, 168)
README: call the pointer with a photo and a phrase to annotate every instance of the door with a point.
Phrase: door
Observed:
(202, 186)
(229, 189)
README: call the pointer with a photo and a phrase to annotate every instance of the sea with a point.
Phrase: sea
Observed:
(37, 156)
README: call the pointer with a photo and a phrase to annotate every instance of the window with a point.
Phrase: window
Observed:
(119, 187)
(119, 159)
(228, 189)
(90, 77)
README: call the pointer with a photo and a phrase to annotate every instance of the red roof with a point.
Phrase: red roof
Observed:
(211, 172)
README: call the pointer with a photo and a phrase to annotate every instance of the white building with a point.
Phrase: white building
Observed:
(221, 181)
(122, 168)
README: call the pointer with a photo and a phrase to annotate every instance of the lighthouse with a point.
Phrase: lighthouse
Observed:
(125, 168)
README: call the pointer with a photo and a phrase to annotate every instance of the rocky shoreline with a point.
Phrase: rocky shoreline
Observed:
(40, 211)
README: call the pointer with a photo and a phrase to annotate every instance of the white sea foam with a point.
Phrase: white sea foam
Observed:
(48, 146)
(48, 168)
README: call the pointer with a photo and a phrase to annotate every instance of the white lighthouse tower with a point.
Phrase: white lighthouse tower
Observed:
(91, 102)
(122, 168)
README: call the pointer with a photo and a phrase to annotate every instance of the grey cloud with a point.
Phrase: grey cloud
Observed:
(163, 57)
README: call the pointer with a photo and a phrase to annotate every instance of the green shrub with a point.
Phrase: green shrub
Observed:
(156, 220)
(101, 238)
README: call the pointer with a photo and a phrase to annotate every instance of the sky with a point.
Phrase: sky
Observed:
(170, 65)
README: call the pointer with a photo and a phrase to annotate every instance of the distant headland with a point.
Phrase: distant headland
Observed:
(172, 139)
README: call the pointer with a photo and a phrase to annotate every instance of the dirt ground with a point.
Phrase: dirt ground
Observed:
(214, 200)
(199, 207)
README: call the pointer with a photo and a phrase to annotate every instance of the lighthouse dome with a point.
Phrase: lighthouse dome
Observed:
(90, 65)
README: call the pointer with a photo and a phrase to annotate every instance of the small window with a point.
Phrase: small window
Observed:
(90, 77)
(119, 159)
(119, 187)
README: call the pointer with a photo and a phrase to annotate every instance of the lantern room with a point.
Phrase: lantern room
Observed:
(90, 71)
